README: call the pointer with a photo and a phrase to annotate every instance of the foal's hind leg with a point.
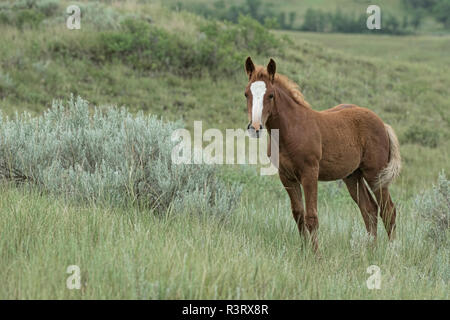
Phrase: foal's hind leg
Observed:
(367, 205)
(387, 210)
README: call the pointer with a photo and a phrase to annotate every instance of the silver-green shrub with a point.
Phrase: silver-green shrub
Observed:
(108, 155)
(434, 207)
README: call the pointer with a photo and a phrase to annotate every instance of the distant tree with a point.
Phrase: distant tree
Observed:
(438, 9)
(287, 24)
(417, 4)
(441, 12)
(391, 24)
(315, 20)
(405, 22)
(309, 22)
(282, 20)
(339, 22)
(253, 6)
(417, 17)
(292, 16)
(233, 13)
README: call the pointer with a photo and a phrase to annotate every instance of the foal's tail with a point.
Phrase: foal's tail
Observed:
(392, 170)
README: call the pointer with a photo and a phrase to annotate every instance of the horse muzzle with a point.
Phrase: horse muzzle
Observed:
(252, 132)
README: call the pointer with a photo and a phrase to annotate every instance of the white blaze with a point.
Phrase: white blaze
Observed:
(258, 89)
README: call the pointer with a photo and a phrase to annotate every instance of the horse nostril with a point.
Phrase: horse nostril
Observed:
(248, 127)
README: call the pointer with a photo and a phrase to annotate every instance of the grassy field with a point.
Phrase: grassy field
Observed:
(425, 50)
(255, 253)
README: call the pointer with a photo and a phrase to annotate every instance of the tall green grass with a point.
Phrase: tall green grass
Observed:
(127, 253)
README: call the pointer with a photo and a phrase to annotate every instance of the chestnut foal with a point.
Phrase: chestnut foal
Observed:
(345, 142)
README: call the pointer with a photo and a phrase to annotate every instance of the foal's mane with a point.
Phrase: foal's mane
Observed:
(291, 88)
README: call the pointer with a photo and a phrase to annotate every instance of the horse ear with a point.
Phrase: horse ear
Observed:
(249, 67)
(271, 69)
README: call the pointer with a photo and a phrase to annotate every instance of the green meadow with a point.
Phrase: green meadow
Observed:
(194, 71)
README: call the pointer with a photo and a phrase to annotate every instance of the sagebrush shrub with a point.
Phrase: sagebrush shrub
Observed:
(99, 15)
(434, 207)
(108, 156)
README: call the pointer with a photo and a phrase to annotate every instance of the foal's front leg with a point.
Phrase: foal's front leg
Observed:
(309, 180)
(295, 195)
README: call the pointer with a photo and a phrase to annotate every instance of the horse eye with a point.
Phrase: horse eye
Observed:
(271, 96)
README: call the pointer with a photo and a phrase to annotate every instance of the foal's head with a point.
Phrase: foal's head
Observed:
(260, 95)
